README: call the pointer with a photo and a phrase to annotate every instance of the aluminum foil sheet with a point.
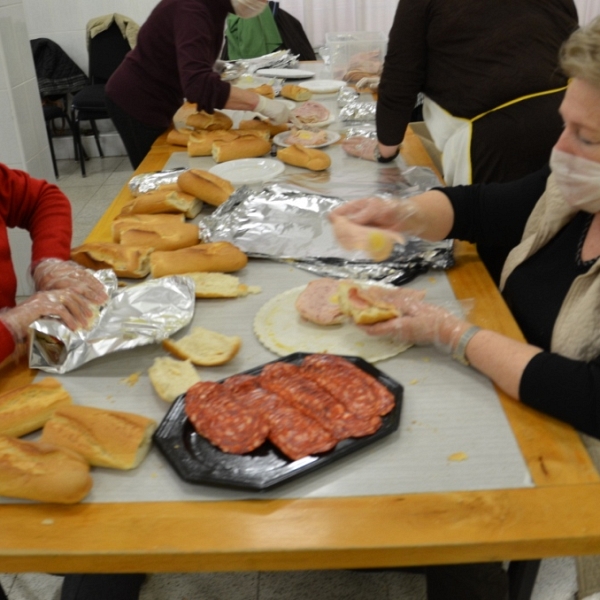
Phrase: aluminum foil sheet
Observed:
(347, 95)
(138, 315)
(148, 182)
(285, 224)
(358, 111)
(280, 59)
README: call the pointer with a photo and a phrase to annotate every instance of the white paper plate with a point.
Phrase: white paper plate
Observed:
(281, 329)
(324, 86)
(247, 171)
(285, 73)
(328, 121)
(332, 138)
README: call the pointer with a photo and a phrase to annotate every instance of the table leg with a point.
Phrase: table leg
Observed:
(521, 578)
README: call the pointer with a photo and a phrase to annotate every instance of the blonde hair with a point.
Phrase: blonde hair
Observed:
(580, 54)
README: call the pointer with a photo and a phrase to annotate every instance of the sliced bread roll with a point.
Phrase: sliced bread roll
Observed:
(212, 189)
(264, 90)
(363, 305)
(204, 348)
(200, 142)
(243, 147)
(307, 158)
(105, 438)
(164, 201)
(220, 285)
(214, 257)
(27, 408)
(170, 377)
(204, 120)
(42, 472)
(260, 125)
(160, 236)
(126, 261)
(295, 92)
(178, 138)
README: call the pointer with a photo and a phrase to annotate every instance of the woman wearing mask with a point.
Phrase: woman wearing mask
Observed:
(173, 61)
(549, 226)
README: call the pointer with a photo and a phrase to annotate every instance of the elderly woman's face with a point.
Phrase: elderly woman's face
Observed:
(580, 111)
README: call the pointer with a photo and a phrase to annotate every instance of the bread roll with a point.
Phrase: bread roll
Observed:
(170, 378)
(295, 92)
(244, 147)
(200, 142)
(124, 222)
(363, 307)
(204, 120)
(27, 408)
(160, 236)
(105, 438)
(258, 133)
(204, 348)
(220, 285)
(126, 261)
(264, 90)
(42, 472)
(307, 158)
(220, 257)
(260, 125)
(210, 188)
(164, 201)
(178, 138)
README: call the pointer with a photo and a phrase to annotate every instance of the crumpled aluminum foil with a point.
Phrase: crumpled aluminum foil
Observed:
(285, 224)
(358, 111)
(138, 315)
(347, 95)
(281, 59)
(148, 182)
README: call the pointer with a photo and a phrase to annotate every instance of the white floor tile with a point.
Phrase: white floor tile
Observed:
(201, 586)
(35, 586)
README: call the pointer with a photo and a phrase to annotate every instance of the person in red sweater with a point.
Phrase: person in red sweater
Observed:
(63, 288)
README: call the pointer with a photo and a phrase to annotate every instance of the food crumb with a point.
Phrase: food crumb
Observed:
(413, 381)
(132, 379)
(48, 522)
(458, 456)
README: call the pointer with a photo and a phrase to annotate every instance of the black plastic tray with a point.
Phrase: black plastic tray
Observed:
(196, 460)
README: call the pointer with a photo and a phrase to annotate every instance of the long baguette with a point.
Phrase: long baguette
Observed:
(244, 147)
(126, 261)
(220, 257)
(105, 438)
(27, 408)
(307, 158)
(160, 236)
(210, 188)
(42, 472)
(124, 222)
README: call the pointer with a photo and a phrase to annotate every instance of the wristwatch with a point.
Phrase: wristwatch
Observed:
(461, 347)
(385, 159)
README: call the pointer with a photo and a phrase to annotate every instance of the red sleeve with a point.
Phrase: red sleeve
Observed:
(40, 208)
(7, 344)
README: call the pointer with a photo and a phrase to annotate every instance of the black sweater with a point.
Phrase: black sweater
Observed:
(497, 213)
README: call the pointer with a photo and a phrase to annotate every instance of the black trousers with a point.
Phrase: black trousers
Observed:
(137, 137)
(475, 581)
(102, 587)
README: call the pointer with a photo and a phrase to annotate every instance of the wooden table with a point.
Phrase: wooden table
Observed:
(558, 516)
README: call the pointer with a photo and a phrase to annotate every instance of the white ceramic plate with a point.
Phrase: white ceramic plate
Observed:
(286, 73)
(324, 86)
(247, 171)
(332, 138)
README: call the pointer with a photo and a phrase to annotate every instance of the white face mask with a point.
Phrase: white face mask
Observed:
(248, 8)
(578, 179)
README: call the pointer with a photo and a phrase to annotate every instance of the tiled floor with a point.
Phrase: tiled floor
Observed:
(90, 196)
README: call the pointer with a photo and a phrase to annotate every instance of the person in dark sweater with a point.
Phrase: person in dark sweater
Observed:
(174, 60)
(546, 228)
(487, 70)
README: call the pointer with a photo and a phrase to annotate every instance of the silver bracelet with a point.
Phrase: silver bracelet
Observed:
(461, 347)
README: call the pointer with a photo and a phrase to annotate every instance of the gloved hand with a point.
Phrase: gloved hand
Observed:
(54, 274)
(369, 83)
(399, 215)
(365, 148)
(219, 66)
(277, 111)
(423, 324)
(68, 305)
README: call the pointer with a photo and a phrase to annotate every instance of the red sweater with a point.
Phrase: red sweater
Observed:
(43, 210)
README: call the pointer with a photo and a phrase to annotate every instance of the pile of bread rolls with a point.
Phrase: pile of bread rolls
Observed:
(74, 438)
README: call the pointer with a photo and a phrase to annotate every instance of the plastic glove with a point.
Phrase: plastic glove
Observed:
(277, 111)
(54, 274)
(219, 66)
(361, 147)
(369, 83)
(69, 306)
(397, 215)
(423, 324)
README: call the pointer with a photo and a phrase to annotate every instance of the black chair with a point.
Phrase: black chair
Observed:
(3, 595)
(107, 50)
(55, 108)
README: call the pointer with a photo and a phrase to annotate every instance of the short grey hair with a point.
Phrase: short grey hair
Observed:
(580, 54)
